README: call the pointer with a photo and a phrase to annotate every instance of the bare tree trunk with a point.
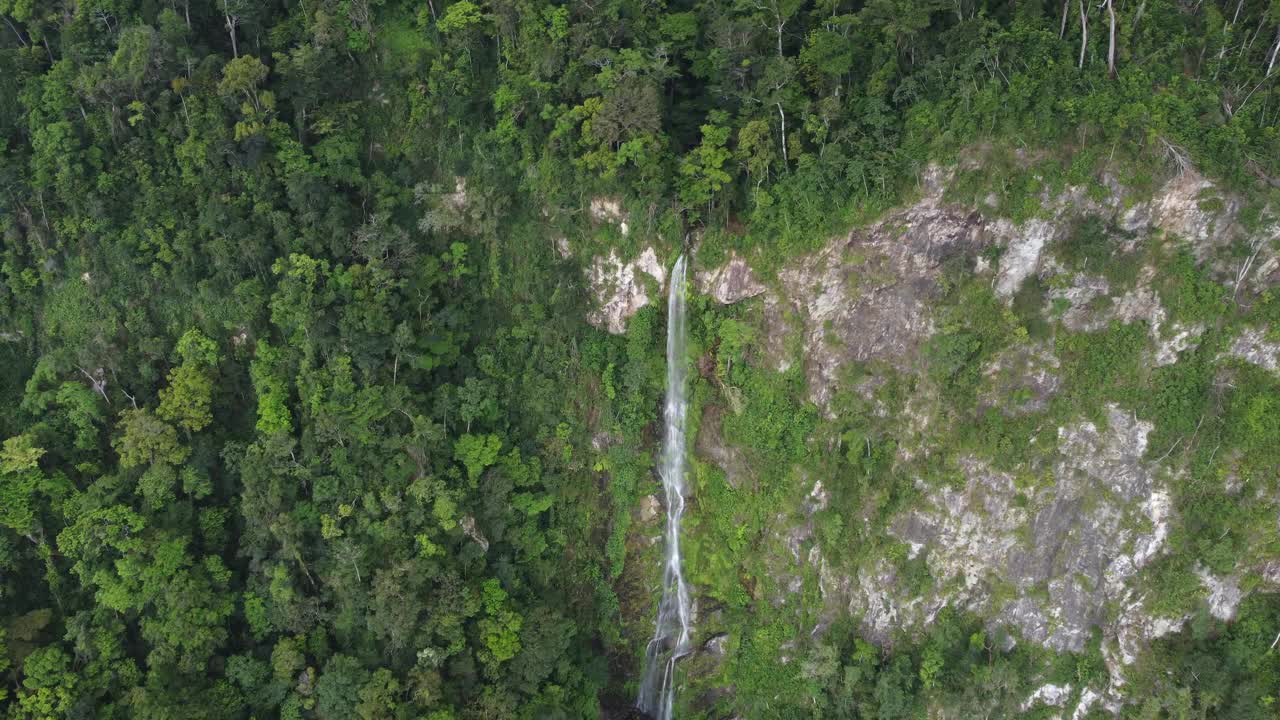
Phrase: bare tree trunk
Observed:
(1243, 273)
(15, 31)
(1226, 35)
(1244, 49)
(99, 383)
(1275, 49)
(1084, 32)
(1111, 42)
(1066, 8)
(783, 115)
(232, 22)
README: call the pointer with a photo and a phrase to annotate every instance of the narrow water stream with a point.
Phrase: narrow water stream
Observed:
(671, 629)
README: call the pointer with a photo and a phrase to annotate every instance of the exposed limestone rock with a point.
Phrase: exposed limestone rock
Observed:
(1021, 258)
(1134, 627)
(873, 599)
(1085, 547)
(1054, 549)
(619, 289)
(818, 499)
(715, 645)
(1224, 594)
(1140, 304)
(729, 283)
(865, 295)
(607, 209)
(971, 531)
(1271, 573)
(1183, 338)
(1181, 208)
(1048, 694)
(1253, 346)
(789, 566)
(602, 440)
(1087, 700)
(472, 531)
(779, 324)
(1078, 299)
(649, 509)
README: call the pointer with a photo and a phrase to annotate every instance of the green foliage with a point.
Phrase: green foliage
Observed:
(477, 452)
(1213, 669)
(1188, 292)
(1104, 364)
(775, 420)
(1093, 247)
(393, 459)
(147, 440)
(187, 398)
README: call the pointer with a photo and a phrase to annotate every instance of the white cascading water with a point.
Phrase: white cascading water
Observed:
(671, 633)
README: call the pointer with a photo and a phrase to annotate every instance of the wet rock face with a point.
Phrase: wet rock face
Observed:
(715, 645)
(710, 446)
(620, 290)
(729, 283)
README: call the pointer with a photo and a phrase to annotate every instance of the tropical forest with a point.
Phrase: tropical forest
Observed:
(639, 359)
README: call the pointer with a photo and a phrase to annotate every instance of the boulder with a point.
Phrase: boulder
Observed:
(619, 289)
(729, 283)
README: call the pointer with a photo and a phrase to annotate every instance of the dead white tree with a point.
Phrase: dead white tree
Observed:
(1243, 273)
(783, 115)
(232, 22)
(98, 382)
(132, 400)
(15, 31)
(1111, 42)
(1084, 32)
(1176, 154)
(779, 20)
(1227, 29)
(1275, 50)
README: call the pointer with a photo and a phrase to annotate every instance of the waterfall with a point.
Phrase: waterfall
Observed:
(671, 630)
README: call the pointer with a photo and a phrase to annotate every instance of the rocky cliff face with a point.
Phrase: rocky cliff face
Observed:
(620, 288)
(1054, 549)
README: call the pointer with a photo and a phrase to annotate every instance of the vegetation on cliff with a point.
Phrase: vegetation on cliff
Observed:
(301, 416)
